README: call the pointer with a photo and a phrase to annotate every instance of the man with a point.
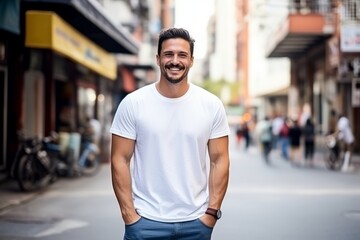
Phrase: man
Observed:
(263, 131)
(346, 136)
(170, 128)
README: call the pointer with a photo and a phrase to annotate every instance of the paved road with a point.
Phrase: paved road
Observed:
(263, 202)
(280, 201)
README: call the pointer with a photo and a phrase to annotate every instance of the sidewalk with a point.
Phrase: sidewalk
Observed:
(10, 194)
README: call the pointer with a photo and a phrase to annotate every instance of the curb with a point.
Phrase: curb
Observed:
(11, 196)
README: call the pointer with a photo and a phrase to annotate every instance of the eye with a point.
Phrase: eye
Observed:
(168, 54)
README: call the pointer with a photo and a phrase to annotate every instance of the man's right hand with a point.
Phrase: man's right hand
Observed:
(131, 218)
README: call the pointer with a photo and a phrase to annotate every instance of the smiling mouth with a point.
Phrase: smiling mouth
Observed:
(174, 68)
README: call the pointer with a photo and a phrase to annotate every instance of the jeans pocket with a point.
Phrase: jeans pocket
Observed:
(134, 223)
(132, 231)
(204, 225)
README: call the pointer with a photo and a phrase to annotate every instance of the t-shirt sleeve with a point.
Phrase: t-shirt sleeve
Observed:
(124, 120)
(220, 123)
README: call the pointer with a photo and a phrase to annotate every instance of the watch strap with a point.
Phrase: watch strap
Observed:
(213, 212)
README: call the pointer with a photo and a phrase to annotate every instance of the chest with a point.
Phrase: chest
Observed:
(186, 119)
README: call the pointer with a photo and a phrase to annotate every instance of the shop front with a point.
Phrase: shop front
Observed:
(9, 55)
(64, 71)
(68, 78)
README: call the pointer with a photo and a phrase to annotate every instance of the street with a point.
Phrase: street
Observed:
(273, 202)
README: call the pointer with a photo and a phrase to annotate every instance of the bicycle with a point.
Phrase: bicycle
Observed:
(32, 168)
(334, 157)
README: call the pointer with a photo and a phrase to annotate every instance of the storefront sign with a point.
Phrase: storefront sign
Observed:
(48, 30)
(350, 38)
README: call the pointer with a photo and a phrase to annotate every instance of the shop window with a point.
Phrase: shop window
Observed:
(65, 106)
(86, 102)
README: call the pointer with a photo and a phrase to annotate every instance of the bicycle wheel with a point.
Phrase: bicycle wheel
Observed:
(333, 161)
(29, 175)
(91, 165)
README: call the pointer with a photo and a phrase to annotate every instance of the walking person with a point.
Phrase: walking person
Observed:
(263, 131)
(168, 127)
(346, 137)
(276, 125)
(284, 139)
(246, 134)
(294, 138)
(308, 133)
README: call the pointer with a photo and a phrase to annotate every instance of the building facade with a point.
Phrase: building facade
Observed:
(321, 40)
(62, 69)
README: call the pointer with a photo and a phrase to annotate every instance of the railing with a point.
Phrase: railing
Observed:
(311, 6)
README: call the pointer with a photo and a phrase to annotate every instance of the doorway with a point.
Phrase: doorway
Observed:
(3, 117)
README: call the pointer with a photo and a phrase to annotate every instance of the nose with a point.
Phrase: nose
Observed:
(175, 59)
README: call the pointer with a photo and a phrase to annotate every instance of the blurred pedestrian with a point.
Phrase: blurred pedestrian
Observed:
(308, 133)
(294, 137)
(346, 137)
(263, 131)
(276, 125)
(171, 128)
(284, 139)
(246, 134)
(238, 133)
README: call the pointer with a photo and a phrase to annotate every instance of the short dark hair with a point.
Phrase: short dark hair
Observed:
(175, 33)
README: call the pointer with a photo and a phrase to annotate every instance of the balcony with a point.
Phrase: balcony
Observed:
(299, 33)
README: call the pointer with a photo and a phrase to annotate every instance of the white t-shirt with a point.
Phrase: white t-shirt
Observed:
(345, 134)
(169, 176)
(276, 125)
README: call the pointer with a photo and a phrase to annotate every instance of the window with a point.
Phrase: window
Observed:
(350, 11)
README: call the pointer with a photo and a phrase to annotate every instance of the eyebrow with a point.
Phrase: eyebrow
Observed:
(181, 52)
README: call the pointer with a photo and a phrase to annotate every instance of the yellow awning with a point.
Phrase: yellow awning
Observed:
(47, 30)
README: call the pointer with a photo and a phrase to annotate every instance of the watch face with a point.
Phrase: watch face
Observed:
(219, 214)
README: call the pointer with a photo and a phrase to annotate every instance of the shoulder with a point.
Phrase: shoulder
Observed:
(204, 94)
(139, 95)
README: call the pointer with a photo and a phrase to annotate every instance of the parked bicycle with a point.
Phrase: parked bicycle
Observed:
(334, 157)
(32, 168)
(39, 162)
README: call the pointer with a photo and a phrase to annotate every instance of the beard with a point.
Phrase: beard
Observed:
(174, 80)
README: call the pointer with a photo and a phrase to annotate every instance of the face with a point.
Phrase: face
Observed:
(175, 60)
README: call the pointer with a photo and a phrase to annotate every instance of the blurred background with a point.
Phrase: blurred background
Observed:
(64, 60)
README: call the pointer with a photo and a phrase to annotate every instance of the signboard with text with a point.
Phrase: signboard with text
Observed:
(350, 38)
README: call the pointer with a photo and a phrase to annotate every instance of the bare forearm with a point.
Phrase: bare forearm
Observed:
(218, 183)
(219, 171)
(121, 181)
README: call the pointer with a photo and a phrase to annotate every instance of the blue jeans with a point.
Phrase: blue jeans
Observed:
(148, 229)
(285, 144)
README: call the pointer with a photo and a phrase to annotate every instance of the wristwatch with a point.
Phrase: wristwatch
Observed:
(216, 213)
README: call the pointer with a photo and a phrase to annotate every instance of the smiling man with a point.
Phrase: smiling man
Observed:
(170, 129)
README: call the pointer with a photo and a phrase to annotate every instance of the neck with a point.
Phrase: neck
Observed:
(171, 90)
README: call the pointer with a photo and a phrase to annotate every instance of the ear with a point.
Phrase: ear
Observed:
(192, 61)
(158, 60)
